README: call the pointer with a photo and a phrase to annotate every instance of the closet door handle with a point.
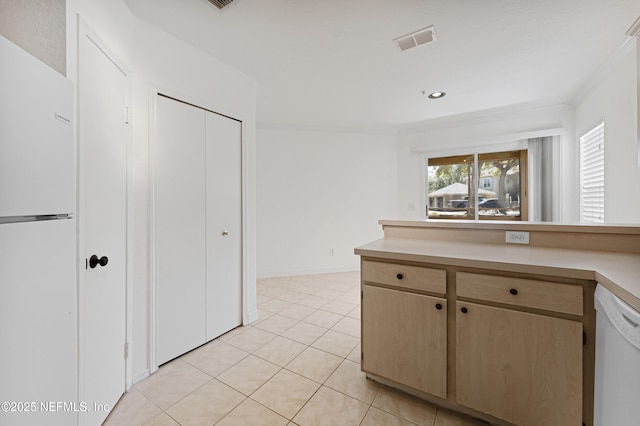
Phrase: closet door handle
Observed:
(225, 233)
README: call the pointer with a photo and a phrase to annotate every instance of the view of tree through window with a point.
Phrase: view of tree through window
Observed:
(499, 196)
(504, 171)
(448, 187)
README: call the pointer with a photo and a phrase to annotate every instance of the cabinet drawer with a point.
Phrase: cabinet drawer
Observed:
(546, 295)
(409, 277)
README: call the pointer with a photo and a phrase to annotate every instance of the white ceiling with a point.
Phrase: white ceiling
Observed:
(333, 63)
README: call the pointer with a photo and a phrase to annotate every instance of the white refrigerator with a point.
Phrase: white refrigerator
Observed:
(38, 278)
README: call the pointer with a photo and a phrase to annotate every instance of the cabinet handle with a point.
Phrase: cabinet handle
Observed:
(464, 310)
(438, 306)
(513, 291)
(399, 276)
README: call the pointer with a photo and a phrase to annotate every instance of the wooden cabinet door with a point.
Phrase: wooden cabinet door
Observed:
(404, 338)
(520, 367)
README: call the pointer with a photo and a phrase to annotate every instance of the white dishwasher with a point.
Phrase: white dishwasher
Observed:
(617, 376)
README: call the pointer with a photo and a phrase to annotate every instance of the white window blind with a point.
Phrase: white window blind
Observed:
(592, 176)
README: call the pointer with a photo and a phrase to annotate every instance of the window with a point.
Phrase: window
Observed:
(592, 176)
(452, 194)
(503, 201)
(449, 180)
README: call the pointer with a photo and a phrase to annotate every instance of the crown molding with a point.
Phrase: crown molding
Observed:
(605, 69)
(472, 117)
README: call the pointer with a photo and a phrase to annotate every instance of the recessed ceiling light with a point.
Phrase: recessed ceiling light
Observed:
(437, 95)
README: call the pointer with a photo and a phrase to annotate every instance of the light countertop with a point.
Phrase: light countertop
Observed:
(618, 272)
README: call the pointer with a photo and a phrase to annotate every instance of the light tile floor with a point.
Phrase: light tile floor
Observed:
(298, 364)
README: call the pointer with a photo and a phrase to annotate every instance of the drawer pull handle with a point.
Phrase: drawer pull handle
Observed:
(399, 276)
(438, 306)
(513, 291)
(464, 310)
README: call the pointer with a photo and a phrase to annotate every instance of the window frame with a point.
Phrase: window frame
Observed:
(516, 150)
(446, 161)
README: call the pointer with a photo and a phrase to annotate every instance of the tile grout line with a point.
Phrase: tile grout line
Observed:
(344, 295)
(321, 384)
(365, 414)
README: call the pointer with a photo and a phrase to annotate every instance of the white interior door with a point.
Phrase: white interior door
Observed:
(179, 222)
(102, 144)
(224, 224)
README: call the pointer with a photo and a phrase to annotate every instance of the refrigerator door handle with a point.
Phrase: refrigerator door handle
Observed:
(34, 218)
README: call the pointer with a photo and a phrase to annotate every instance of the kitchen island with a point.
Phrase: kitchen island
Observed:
(504, 332)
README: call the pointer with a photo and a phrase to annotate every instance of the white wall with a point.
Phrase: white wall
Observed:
(470, 131)
(159, 60)
(320, 190)
(614, 99)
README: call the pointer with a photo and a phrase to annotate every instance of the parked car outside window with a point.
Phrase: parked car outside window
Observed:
(489, 203)
(458, 204)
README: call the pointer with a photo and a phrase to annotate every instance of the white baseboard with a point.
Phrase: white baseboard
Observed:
(252, 316)
(293, 272)
(140, 376)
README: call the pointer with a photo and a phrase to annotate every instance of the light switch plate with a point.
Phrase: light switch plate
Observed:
(517, 237)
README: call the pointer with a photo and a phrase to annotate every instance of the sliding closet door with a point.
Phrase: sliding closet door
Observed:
(224, 224)
(180, 223)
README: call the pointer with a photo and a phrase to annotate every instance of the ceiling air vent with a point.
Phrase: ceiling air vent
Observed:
(220, 3)
(416, 38)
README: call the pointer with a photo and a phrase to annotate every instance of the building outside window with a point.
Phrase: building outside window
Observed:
(452, 193)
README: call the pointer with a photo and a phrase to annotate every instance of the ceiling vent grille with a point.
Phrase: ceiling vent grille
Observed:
(416, 38)
(220, 3)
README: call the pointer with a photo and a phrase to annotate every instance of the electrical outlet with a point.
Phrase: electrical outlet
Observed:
(515, 237)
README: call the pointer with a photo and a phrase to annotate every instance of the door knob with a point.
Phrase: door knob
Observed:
(95, 261)
(225, 233)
